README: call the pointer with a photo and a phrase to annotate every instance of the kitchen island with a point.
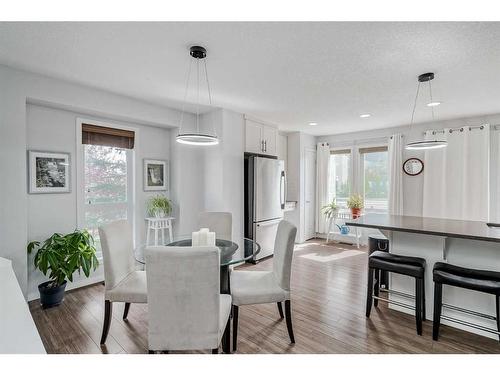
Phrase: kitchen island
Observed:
(470, 244)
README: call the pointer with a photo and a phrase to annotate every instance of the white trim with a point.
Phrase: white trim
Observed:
(261, 122)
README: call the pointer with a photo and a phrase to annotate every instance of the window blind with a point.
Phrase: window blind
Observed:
(340, 152)
(104, 136)
(366, 150)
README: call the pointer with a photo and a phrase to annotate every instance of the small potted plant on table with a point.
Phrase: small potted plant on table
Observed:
(60, 256)
(159, 206)
(356, 204)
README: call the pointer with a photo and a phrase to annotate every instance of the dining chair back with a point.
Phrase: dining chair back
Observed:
(184, 298)
(117, 252)
(283, 253)
(219, 222)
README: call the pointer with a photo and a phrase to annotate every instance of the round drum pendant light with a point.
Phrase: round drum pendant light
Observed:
(426, 144)
(197, 138)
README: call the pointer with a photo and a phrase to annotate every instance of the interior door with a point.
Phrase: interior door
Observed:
(310, 193)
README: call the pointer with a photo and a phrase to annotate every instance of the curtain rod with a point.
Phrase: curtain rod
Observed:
(462, 128)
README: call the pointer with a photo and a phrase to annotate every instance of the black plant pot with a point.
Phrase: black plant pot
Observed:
(51, 296)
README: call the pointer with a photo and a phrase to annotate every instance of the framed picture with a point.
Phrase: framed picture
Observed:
(49, 172)
(155, 175)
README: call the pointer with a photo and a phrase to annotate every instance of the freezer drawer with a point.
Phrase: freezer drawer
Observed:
(265, 234)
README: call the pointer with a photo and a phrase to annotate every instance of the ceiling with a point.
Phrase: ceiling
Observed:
(288, 74)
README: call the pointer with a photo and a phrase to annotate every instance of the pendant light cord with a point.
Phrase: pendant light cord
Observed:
(198, 95)
(414, 108)
(209, 94)
(432, 101)
(185, 96)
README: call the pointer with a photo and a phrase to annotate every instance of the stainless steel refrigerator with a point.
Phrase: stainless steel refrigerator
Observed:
(265, 187)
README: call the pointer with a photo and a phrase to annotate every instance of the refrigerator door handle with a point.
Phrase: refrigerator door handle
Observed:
(282, 190)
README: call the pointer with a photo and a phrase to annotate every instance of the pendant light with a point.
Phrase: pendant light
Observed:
(197, 138)
(427, 144)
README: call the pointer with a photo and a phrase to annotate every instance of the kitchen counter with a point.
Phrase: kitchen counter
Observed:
(470, 244)
(472, 230)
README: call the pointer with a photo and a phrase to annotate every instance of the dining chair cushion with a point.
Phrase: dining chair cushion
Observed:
(254, 287)
(132, 289)
(219, 222)
(117, 252)
(186, 310)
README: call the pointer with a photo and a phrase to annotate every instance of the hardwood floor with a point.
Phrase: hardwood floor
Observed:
(328, 311)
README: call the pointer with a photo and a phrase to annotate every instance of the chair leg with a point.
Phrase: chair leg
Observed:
(125, 311)
(498, 315)
(369, 292)
(288, 314)
(226, 338)
(418, 305)
(108, 310)
(438, 304)
(235, 326)
(424, 314)
(215, 351)
(376, 287)
(280, 310)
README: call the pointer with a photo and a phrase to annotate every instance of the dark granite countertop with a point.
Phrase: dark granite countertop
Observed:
(473, 230)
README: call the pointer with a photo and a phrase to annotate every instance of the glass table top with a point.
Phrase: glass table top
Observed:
(230, 251)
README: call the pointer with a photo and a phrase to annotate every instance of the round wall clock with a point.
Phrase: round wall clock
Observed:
(413, 166)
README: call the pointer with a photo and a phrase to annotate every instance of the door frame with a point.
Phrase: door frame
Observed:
(306, 175)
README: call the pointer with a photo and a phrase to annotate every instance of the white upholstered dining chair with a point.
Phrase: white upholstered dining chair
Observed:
(122, 282)
(219, 222)
(185, 307)
(256, 287)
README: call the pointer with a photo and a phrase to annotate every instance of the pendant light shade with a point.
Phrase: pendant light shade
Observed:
(426, 144)
(197, 138)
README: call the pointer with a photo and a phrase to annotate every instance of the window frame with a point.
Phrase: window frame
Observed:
(351, 152)
(360, 164)
(80, 176)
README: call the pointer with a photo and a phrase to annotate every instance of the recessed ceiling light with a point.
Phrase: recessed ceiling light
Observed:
(313, 123)
(366, 115)
(433, 104)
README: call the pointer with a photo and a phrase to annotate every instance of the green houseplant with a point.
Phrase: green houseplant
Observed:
(159, 206)
(330, 210)
(59, 257)
(356, 204)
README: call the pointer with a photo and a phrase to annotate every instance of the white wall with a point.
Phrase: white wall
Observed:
(17, 89)
(412, 186)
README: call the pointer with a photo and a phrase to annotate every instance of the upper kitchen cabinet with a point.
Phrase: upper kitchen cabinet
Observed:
(260, 138)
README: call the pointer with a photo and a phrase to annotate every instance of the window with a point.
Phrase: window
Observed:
(340, 176)
(107, 177)
(374, 165)
(370, 178)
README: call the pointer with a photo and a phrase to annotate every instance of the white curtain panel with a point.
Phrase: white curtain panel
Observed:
(395, 150)
(322, 182)
(456, 178)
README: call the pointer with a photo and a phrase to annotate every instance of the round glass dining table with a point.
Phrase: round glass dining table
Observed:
(229, 254)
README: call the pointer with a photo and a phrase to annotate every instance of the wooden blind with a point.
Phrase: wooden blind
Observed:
(365, 150)
(340, 152)
(104, 136)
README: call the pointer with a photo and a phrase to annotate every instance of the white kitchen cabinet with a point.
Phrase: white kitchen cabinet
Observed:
(260, 138)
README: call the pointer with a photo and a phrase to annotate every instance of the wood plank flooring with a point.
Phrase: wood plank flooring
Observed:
(328, 307)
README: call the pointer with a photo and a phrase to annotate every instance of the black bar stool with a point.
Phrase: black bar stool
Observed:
(380, 261)
(467, 278)
(379, 242)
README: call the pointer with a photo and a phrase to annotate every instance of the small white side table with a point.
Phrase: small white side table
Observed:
(157, 225)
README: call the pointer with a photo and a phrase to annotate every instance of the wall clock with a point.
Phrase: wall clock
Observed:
(413, 166)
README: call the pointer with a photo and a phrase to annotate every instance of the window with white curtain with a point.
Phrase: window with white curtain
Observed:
(370, 178)
(340, 175)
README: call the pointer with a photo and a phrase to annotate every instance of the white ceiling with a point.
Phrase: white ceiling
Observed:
(285, 73)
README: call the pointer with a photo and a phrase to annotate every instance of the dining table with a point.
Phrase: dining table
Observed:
(235, 251)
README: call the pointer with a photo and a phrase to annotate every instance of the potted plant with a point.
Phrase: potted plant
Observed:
(159, 206)
(356, 204)
(330, 210)
(59, 257)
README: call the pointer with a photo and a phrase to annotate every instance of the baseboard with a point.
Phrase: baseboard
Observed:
(32, 296)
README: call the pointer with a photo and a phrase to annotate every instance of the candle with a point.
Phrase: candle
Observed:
(211, 239)
(203, 236)
(195, 239)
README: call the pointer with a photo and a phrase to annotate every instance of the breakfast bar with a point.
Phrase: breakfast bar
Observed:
(470, 244)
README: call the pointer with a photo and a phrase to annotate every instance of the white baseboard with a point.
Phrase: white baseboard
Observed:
(33, 295)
